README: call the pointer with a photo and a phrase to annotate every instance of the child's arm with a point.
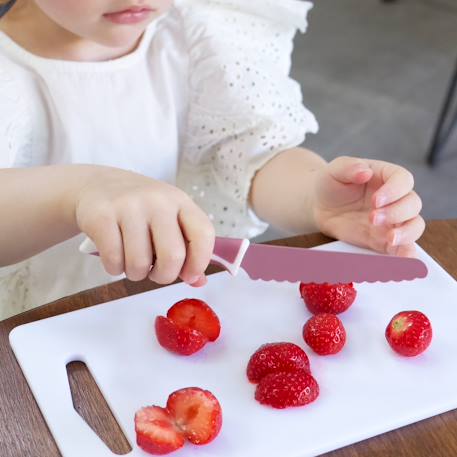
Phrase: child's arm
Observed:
(130, 218)
(365, 202)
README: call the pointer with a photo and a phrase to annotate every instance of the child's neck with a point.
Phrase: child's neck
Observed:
(38, 34)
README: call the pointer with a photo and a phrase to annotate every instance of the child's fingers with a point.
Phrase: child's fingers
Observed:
(202, 281)
(406, 233)
(350, 170)
(170, 249)
(136, 239)
(407, 250)
(106, 235)
(398, 212)
(398, 182)
(199, 233)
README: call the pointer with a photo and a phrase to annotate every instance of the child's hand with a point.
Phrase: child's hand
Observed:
(369, 203)
(136, 222)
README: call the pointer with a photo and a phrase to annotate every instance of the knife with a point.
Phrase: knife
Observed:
(279, 263)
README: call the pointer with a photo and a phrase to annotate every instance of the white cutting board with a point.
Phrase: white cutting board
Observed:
(365, 390)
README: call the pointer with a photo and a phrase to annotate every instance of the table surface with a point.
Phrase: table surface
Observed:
(23, 431)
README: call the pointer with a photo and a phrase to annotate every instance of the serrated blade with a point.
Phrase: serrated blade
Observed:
(280, 263)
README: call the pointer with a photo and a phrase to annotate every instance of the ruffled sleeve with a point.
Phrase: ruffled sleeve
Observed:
(244, 108)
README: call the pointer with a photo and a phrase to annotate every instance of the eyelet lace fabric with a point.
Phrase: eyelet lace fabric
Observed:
(243, 108)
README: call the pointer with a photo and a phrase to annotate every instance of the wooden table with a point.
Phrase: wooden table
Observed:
(23, 432)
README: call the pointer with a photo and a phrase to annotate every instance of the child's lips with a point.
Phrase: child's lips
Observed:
(133, 15)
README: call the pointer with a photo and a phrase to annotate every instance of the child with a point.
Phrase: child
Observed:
(107, 105)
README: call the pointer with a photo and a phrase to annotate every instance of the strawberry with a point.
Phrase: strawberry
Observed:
(325, 334)
(409, 333)
(181, 340)
(197, 413)
(156, 431)
(196, 314)
(327, 298)
(282, 390)
(276, 357)
(189, 325)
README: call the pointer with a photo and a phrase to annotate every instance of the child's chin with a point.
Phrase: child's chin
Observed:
(122, 38)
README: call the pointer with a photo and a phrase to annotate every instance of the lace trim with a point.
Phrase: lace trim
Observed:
(244, 109)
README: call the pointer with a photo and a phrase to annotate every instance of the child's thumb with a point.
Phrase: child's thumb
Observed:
(350, 170)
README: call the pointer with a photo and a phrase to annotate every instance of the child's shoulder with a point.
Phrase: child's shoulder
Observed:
(20, 107)
(16, 77)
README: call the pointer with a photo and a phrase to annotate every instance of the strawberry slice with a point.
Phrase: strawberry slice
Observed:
(327, 298)
(156, 431)
(181, 340)
(197, 413)
(284, 390)
(196, 314)
(276, 357)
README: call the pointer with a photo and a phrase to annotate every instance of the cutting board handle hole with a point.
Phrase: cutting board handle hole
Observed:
(91, 405)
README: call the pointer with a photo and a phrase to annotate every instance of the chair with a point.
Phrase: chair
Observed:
(447, 121)
(4, 8)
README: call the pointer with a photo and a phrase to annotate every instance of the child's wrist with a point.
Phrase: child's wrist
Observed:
(75, 179)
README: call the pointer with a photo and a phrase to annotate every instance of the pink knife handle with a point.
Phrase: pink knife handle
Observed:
(229, 253)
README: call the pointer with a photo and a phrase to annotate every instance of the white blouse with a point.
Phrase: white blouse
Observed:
(203, 103)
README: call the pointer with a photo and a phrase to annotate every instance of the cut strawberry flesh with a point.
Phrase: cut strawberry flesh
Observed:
(156, 431)
(196, 314)
(197, 413)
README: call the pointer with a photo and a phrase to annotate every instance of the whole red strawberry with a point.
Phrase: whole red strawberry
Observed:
(409, 333)
(327, 298)
(325, 334)
(283, 390)
(276, 357)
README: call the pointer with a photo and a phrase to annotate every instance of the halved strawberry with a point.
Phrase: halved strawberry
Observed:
(327, 298)
(276, 357)
(156, 431)
(196, 314)
(181, 340)
(283, 390)
(197, 413)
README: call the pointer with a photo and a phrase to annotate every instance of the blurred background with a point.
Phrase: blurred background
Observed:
(375, 74)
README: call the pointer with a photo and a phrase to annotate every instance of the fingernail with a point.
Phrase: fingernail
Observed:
(381, 200)
(193, 279)
(361, 168)
(379, 218)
